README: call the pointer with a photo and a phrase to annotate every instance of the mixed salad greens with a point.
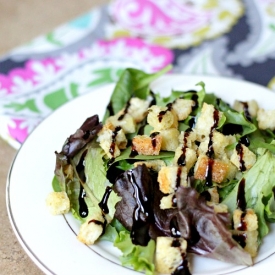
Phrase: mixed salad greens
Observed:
(122, 199)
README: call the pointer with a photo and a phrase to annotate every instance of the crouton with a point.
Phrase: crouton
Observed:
(183, 107)
(138, 109)
(58, 203)
(250, 106)
(169, 253)
(125, 121)
(169, 139)
(266, 119)
(170, 177)
(147, 145)
(111, 140)
(245, 221)
(206, 121)
(185, 157)
(168, 201)
(91, 230)
(219, 169)
(242, 157)
(162, 118)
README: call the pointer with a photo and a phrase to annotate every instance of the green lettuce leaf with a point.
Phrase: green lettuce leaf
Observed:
(141, 258)
(259, 184)
(132, 82)
(96, 181)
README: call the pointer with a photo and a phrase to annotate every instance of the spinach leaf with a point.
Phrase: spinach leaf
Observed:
(132, 82)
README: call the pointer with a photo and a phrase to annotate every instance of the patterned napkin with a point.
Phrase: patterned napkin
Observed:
(231, 38)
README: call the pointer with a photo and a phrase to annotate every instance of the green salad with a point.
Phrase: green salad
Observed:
(163, 177)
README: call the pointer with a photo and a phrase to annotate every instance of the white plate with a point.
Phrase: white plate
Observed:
(51, 241)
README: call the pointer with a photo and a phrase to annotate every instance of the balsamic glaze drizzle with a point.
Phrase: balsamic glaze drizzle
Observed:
(181, 159)
(83, 208)
(241, 201)
(113, 144)
(162, 113)
(210, 150)
(140, 229)
(240, 153)
(246, 110)
(153, 139)
(125, 110)
(241, 204)
(104, 202)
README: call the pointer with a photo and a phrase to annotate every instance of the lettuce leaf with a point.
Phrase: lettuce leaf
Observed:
(96, 181)
(141, 258)
(132, 82)
(259, 184)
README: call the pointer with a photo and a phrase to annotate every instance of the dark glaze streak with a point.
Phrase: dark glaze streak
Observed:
(162, 113)
(242, 226)
(80, 168)
(210, 150)
(113, 144)
(192, 122)
(240, 239)
(241, 201)
(103, 224)
(181, 159)
(125, 110)
(154, 101)
(110, 109)
(245, 141)
(174, 228)
(133, 152)
(209, 170)
(183, 268)
(195, 99)
(240, 153)
(104, 202)
(178, 180)
(246, 110)
(141, 216)
(83, 208)
(153, 139)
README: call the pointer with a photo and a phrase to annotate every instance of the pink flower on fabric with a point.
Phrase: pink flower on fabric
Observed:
(158, 18)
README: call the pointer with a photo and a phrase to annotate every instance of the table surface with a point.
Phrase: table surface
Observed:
(21, 21)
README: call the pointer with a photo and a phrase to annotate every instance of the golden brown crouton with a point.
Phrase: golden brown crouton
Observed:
(185, 157)
(168, 255)
(250, 106)
(245, 221)
(183, 107)
(125, 121)
(147, 145)
(266, 119)
(162, 118)
(138, 109)
(167, 201)
(170, 177)
(111, 139)
(242, 157)
(169, 139)
(219, 169)
(206, 120)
